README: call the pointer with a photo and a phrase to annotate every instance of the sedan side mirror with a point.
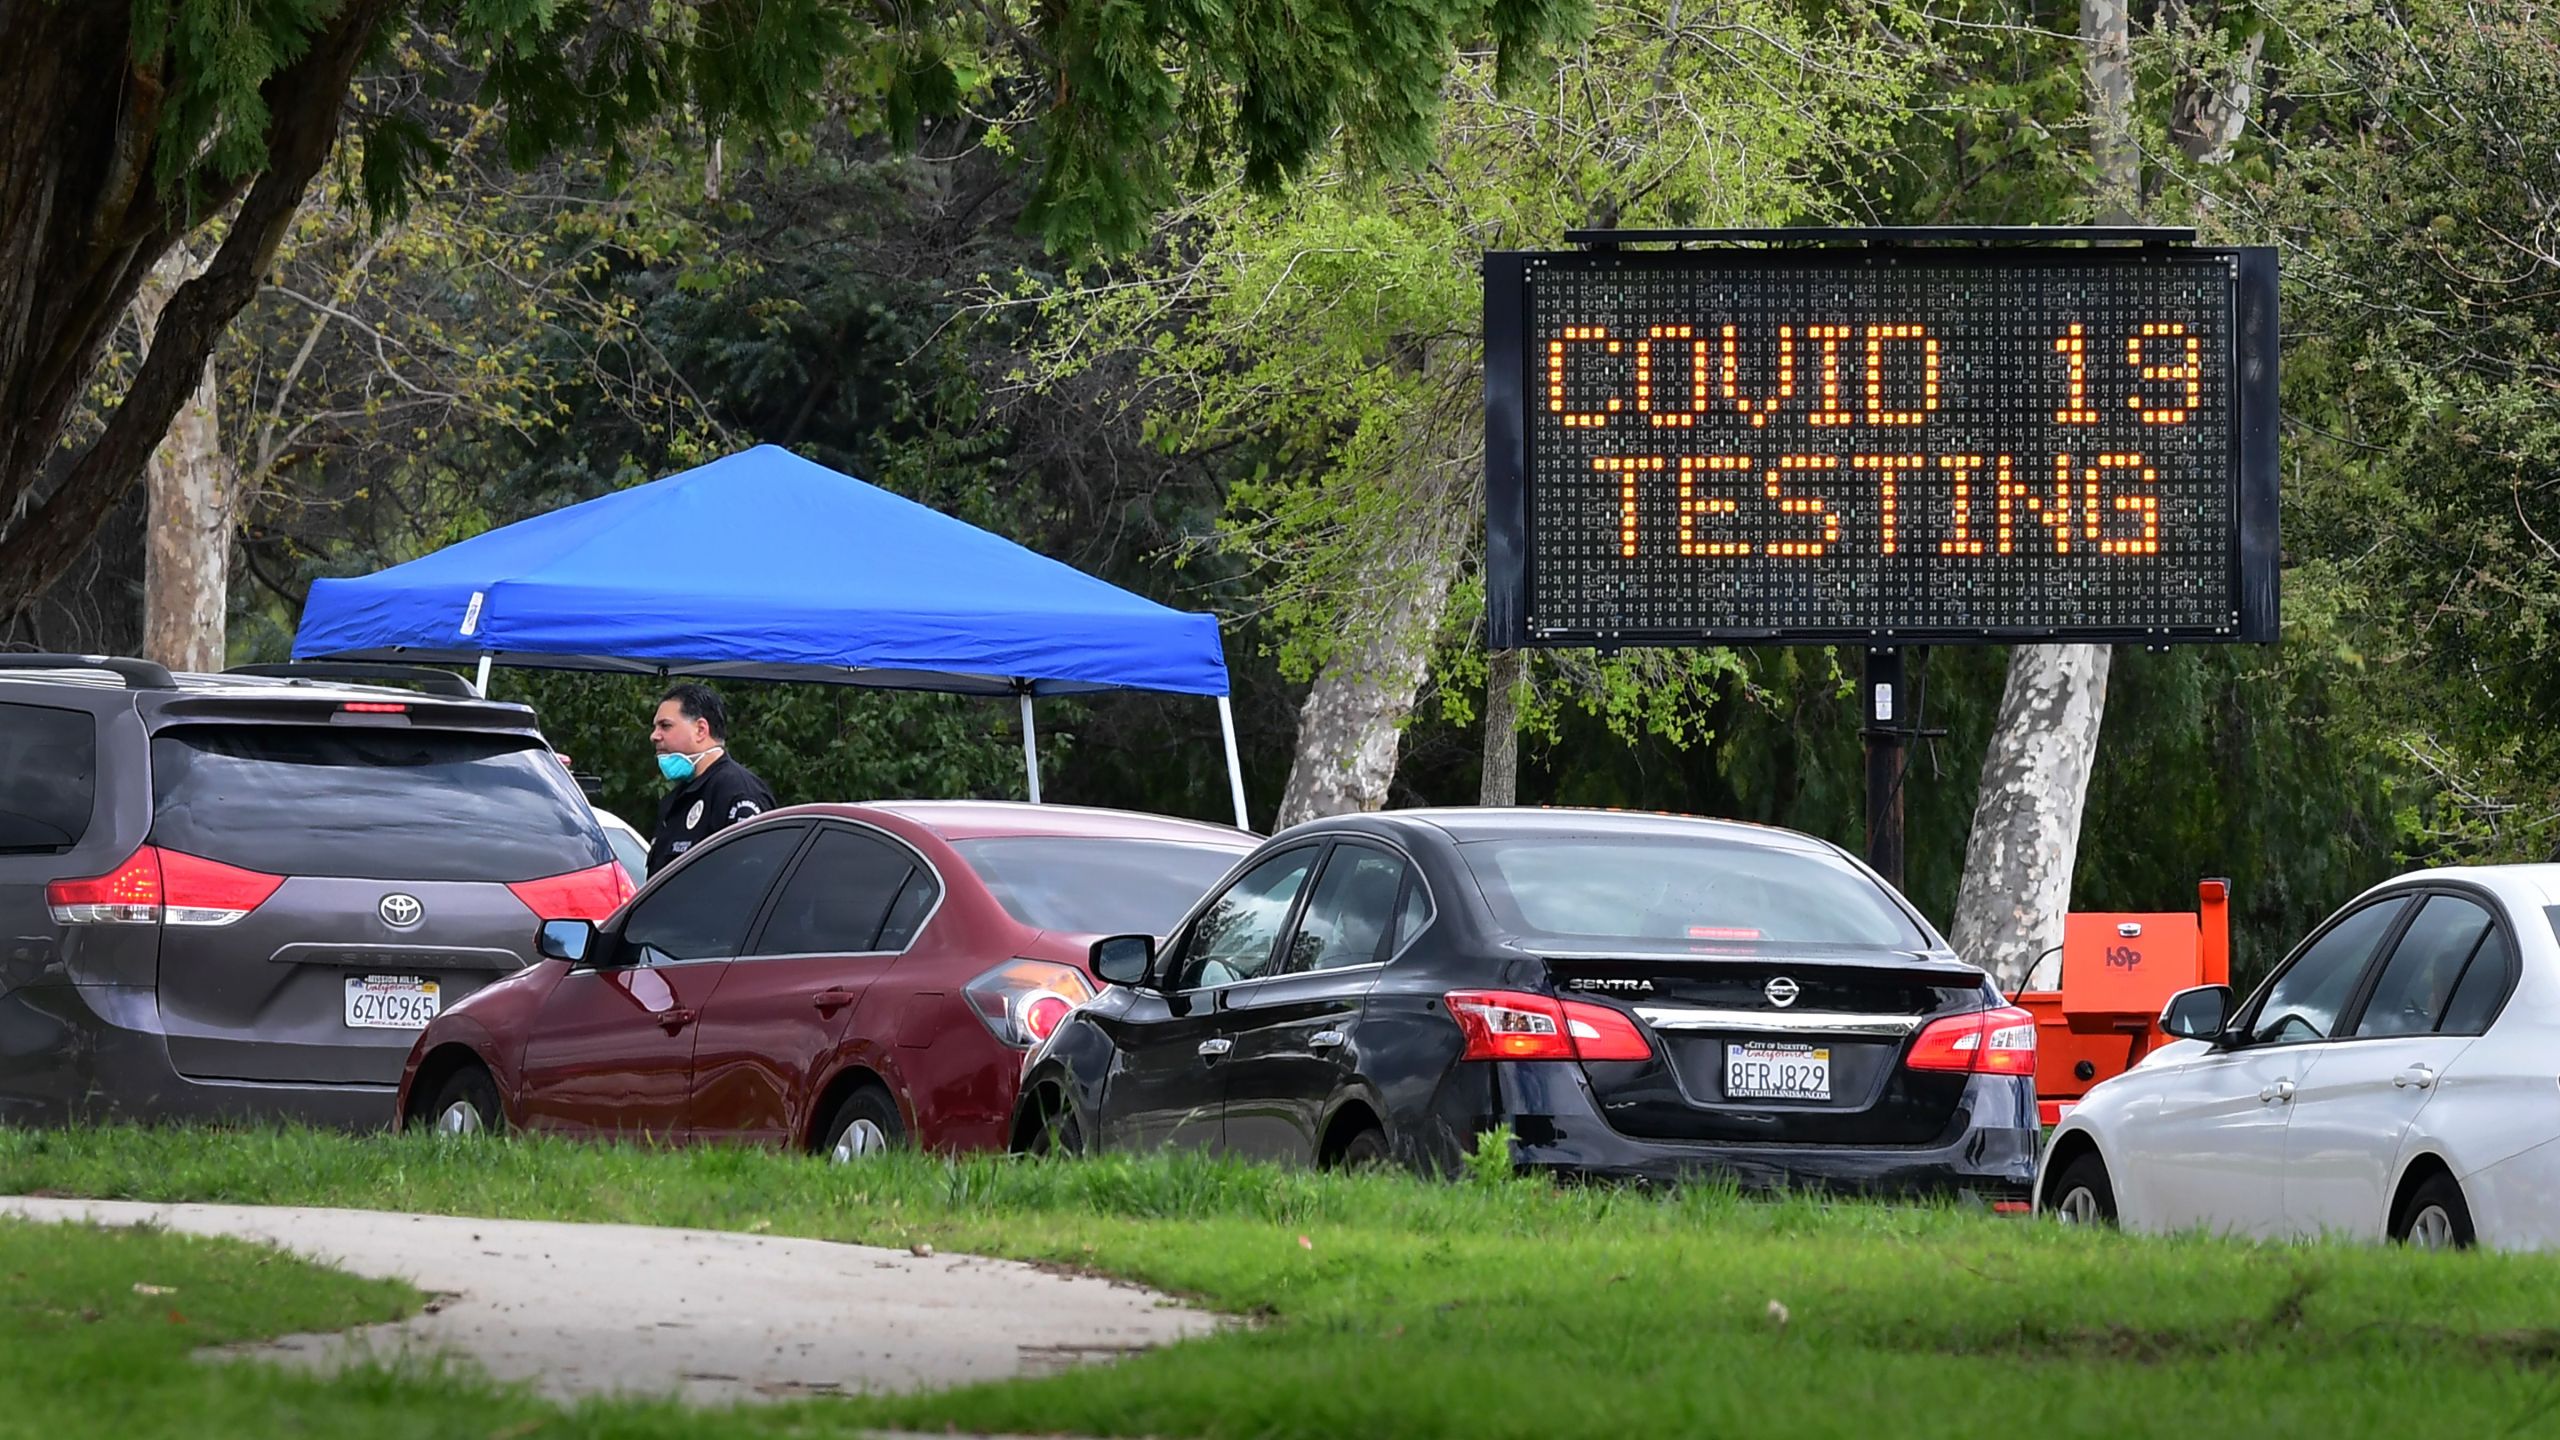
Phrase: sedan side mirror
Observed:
(2198, 1014)
(569, 940)
(1124, 959)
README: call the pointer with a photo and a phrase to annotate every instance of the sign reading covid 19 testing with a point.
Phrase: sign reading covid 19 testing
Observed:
(1887, 445)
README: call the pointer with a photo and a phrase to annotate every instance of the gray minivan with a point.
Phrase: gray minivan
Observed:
(245, 894)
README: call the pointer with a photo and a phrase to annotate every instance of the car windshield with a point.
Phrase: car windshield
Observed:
(1663, 888)
(1097, 885)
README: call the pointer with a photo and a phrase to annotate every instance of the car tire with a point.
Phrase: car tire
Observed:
(2082, 1194)
(1061, 1129)
(865, 1126)
(467, 1104)
(1364, 1151)
(2435, 1217)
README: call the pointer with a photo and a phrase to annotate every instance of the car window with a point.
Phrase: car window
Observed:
(1350, 911)
(1234, 938)
(2417, 982)
(701, 912)
(1678, 888)
(2484, 986)
(2302, 1003)
(907, 914)
(837, 896)
(1097, 884)
(1412, 914)
(387, 804)
(48, 778)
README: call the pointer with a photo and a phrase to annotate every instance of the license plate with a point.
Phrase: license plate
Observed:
(1763, 1071)
(390, 1002)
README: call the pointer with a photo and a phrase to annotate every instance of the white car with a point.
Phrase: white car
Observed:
(2398, 1076)
(628, 847)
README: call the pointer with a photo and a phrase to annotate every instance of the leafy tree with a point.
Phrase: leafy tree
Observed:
(1327, 342)
(2408, 169)
(169, 119)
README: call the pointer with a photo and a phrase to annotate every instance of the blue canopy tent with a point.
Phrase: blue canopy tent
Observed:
(766, 566)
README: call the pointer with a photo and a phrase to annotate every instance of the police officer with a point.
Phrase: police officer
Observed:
(713, 792)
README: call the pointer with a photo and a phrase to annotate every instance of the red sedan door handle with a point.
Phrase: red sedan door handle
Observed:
(831, 1000)
(675, 1020)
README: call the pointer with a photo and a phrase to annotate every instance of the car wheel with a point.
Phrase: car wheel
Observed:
(866, 1126)
(467, 1104)
(2082, 1194)
(2435, 1217)
(1366, 1151)
(1061, 1129)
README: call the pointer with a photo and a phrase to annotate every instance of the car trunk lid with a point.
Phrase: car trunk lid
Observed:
(1774, 1048)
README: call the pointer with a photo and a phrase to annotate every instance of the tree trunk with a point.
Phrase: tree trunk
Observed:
(1353, 721)
(2035, 776)
(83, 218)
(2026, 826)
(186, 572)
(1504, 671)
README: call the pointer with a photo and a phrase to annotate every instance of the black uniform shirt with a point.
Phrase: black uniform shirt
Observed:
(712, 801)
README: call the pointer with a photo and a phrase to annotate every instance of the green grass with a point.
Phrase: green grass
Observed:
(1387, 1307)
(99, 1327)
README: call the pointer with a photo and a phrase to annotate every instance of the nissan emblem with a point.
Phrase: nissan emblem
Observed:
(1781, 991)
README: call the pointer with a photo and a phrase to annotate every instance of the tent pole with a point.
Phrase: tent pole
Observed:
(1030, 748)
(1235, 768)
(484, 673)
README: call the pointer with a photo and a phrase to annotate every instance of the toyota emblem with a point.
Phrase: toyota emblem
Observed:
(402, 911)
(1781, 991)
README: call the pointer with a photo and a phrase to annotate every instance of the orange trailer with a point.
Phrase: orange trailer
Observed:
(2118, 970)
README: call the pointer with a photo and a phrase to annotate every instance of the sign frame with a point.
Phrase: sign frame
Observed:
(1510, 597)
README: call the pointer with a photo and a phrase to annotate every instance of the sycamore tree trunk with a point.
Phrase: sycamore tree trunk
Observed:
(84, 216)
(1504, 671)
(186, 570)
(2025, 843)
(1353, 721)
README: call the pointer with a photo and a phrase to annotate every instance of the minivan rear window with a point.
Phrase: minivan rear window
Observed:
(1700, 891)
(48, 778)
(373, 804)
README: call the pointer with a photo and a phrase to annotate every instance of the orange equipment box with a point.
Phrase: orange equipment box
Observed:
(2117, 973)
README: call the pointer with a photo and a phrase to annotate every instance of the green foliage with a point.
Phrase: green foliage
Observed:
(2410, 175)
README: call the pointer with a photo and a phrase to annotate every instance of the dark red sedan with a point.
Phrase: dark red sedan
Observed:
(840, 978)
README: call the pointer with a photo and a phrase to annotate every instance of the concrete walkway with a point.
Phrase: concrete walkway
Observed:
(709, 1316)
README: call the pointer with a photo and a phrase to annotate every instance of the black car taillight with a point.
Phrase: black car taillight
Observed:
(1987, 1042)
(1517, 1025)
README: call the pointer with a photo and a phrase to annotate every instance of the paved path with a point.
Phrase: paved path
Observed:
(711, 1316)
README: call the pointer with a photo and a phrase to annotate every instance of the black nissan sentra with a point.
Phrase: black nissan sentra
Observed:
(1633, 995)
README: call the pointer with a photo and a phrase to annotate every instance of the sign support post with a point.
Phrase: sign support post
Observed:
(1885, 700)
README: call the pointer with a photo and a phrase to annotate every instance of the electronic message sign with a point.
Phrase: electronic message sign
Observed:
(1884, 445)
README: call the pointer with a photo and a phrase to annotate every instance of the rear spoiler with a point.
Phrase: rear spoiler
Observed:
(426, 677)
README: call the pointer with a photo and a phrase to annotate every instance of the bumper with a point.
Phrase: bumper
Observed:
(1988, 1150)
(77, 1054)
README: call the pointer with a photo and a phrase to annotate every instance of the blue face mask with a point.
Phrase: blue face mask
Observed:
(676, 767)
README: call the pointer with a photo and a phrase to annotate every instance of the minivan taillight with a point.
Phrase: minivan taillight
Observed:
(1516, 1025)
(1987, 1042)
(159, 885)
(579, 895)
